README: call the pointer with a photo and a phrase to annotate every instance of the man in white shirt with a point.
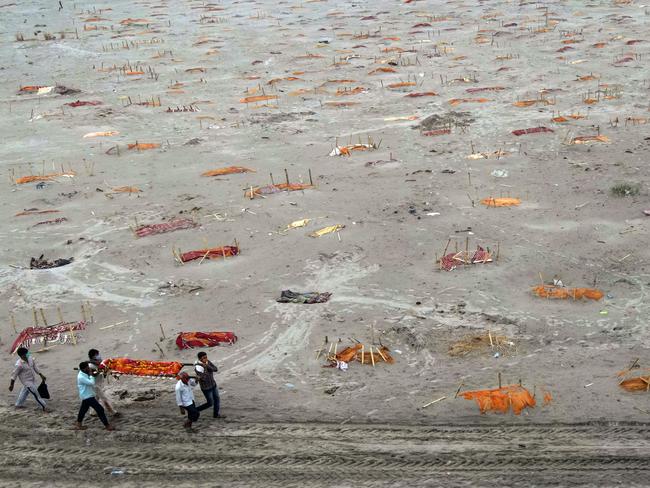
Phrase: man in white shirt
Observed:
(185, 399)
(26, 371)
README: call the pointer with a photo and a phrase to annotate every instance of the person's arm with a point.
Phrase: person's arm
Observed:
(213, 367)
(36, 370)
(179, 400)
(86, 380)
(14, 375)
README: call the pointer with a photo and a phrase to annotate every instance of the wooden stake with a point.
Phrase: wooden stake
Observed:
(74, 338)
(160, 348)
(35, 317)
(499, 375)
(13, 323)
(43, 316)
(372, 357)
(435, 401)
(162, 331)
(286, 174)
(83, 313)
(382, 355)
(311, 182)
(362, 353)
(90, 312)
(458, 390)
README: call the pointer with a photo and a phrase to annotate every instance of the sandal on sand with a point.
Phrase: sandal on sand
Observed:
(110, 428)
(80, 427)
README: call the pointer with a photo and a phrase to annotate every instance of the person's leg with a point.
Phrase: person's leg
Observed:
(22, 396)
(38, 398)
(193, 413)
(101, 397)
(83, 410)
(215, 399)
(208, 400)
(92, 402)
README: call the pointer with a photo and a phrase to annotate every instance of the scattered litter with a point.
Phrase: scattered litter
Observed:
(500, 173)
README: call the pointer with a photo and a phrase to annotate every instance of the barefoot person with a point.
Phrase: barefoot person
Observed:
(185, 399)
(26, 370)
(86, 386)
(205, 370)
(95, 362)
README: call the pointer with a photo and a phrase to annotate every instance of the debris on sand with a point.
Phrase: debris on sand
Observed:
(42, 263)
(288, 296)
(481, 343)
(181, 287)
(447, 120)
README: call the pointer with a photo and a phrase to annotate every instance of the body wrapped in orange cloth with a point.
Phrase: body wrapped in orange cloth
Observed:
(188, 340)
(140, 367)
(502, 399)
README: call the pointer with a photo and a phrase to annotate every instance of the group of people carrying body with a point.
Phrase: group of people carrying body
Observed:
(90, 385)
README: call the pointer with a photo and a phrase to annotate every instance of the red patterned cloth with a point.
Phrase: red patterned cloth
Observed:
(53, 333)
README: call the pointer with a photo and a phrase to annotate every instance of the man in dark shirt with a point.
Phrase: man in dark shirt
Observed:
(205, 370)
